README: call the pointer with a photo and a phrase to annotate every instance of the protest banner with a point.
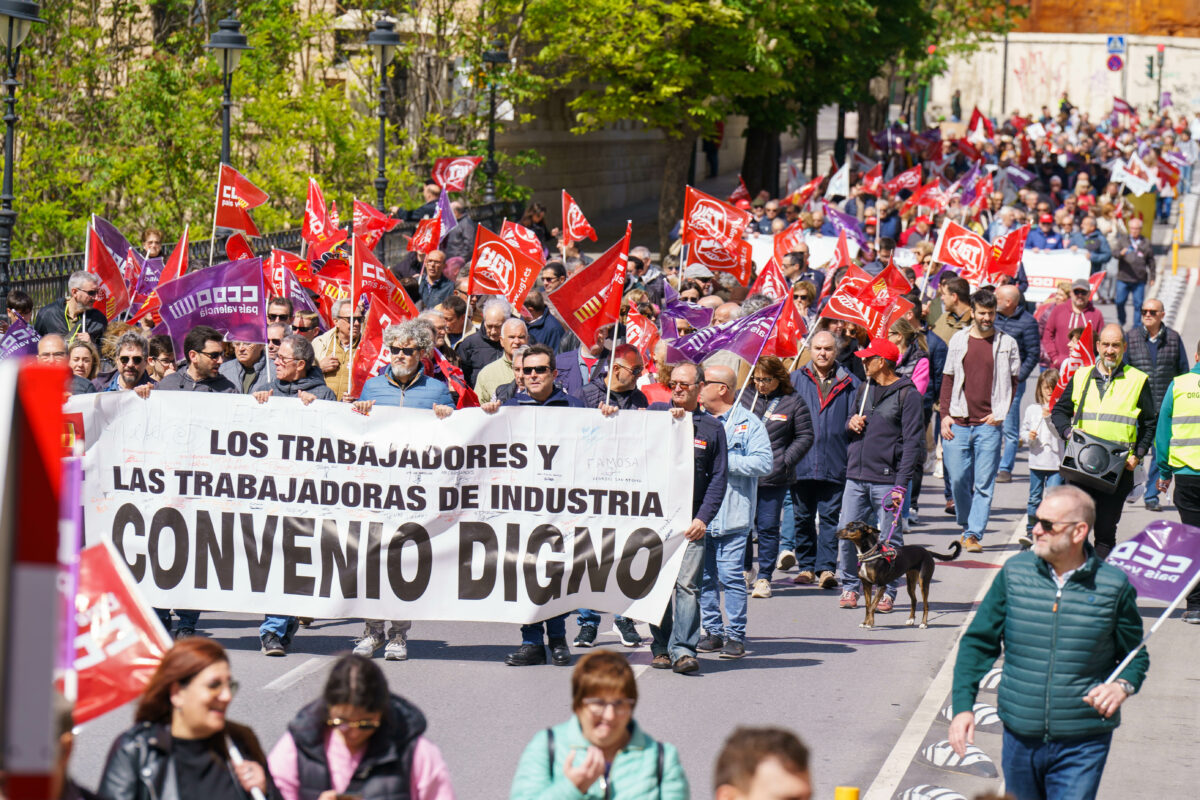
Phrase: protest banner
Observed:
(320, 511)
(1045, 269)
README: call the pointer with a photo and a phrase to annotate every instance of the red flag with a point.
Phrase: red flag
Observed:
(969, 150)
(928, 195)
(983, 191)
(741, 192)
(706, 217)
(641, 333)
(1007, 250)
(176, 266)
(235, 197)
(523, 239)
(1123, 107)
(451, 173)
(963, 249)
(737, 260)
(591, 298)
(500, 268)
(841, 252)
(335, 219)
(118, 640)
(237, 248)
(321, 232)
(1082, 354)
(771, 282)
(455, 380)
(873, 181)
(909, 179)
(427, 235)
(980, 125)
(281, 260)
(371, 356)
(371, 224)
(787, 239)
(575, 227)
(790, 328)
(371, 278)
(802, 195)
(114, 295)
(1095, 281)
(883, 290)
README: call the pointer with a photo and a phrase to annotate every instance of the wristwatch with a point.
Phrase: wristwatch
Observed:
(1126, 686)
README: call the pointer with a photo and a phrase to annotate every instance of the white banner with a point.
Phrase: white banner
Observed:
(218, 503)
(1045, 270)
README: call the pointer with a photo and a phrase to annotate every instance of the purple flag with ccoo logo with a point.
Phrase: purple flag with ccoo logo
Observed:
(743, 337)
(229, 297)
(20, 340)
(1161, 560)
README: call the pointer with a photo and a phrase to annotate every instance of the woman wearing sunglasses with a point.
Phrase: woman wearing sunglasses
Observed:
(181, 745)
(359, 740)
(600, 753)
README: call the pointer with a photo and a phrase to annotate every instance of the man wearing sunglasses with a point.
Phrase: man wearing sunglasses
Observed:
(1064, 620)
(73, 315)
(618, 389)
(204, 349)
(280, 309)
(130, 374)
(305, 324)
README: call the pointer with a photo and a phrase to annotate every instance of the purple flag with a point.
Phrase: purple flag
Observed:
(300, 299)
(113, 239)
(1017, 176)
(1161, 560)
(20, 340)
(743, 337)
(1175, 159)
(147, 280)
(446, 215)
(970, 183)
(845, 222)
(1165, 101)
(674, 308)
(229, 297)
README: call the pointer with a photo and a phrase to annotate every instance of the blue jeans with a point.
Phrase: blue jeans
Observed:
(679, 631)
(970, 459)
(863, 502)
(589, 617)
(187, 619)
(283, 627)
(767, 518)
(787, 527)
(818, 505)
(1164, 208)
(723, 575)
(1012, 430)
(1124, 290)
(1054, 770)
(1039, 481)
(555, 628)
(1151, 476)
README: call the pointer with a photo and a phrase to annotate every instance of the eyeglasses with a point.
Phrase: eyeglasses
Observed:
(635, 370)
(357, 724)
(541, 369)
(597, 705)
(214, 356)
(215, 686)
(275, 342)
(285, 359)
(408, 351)
(135, 360)
(357, 319)
(1153, 312)
(716, 383)
(1049, 525)
(762, 378)
(679, 385)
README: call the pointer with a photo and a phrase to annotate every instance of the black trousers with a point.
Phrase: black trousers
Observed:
(1187, 500)
(1109, 506)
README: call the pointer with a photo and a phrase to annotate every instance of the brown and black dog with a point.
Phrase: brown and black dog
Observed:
(877, 572)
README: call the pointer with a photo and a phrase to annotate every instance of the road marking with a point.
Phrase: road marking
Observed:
(296, 674)
(1187, 296)
(900, 759)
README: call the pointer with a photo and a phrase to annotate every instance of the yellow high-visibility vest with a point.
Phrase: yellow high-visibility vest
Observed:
(1115, 416)
(1185, 422)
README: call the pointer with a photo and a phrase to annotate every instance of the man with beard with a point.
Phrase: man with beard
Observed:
(74, 316)
(130, 374)
(204, 350)
(1116, 404)
(983, 365)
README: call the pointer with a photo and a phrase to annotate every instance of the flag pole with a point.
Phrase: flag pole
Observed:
(212, 240)
(1179, 598)
(612, 355)
(753, 364)
(353, 310)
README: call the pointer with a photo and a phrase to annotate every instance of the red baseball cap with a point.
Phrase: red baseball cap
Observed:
(923, 218)
(1046, 218)
(743, 204)
(882, 348)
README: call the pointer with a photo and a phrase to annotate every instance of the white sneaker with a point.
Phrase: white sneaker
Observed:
(367, 645)
(749, 578)
(762, 588)
(786, 560)
(397, 649)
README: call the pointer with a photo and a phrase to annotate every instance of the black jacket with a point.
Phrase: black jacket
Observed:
(139, 764)
(385, 772)
(790, 429)
(710, 466)
(52, 318)
(476, 352)
(596, 392)
(889, 448)
(313, 383)
(181, 381)
(1024, 328)
(1163, 365)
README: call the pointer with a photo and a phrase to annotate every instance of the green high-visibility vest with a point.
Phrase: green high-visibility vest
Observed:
(1185, 422)
(1113, 417)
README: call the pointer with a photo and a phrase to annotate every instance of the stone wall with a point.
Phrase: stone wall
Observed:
(1139, 17)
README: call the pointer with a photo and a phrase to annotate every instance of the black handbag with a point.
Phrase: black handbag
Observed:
(1089, 460)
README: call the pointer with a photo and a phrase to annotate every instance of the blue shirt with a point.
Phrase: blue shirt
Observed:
(421, 392)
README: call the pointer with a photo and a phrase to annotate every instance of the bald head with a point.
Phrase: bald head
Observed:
(1007, 299)
(710, 301)
(726, 312)
(52, 349)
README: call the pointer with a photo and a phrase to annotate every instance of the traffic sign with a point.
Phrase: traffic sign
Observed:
(1115, 63)
(1116, 44)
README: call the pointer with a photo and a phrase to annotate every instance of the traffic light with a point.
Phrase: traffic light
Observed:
(1149, 66)
(1161, 54)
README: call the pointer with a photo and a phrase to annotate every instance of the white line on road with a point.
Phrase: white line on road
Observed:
(295, 675)
(1187, 298)
(898, 761)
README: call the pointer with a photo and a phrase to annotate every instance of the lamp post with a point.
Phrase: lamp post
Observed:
(493, 58)
(227, 44)
(383, 41)
(16, 18)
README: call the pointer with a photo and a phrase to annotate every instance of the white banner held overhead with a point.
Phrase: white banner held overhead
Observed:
(1044, 270)
(216, 502)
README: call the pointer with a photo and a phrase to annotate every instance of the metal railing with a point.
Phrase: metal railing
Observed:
(45, 278)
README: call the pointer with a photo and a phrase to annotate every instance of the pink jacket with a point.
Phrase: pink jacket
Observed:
(1063, 318)
(430, 778)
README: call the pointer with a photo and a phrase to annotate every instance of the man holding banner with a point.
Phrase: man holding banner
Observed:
(1063, 619)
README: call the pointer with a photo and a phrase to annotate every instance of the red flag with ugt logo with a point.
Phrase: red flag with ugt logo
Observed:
(771, 282)
(575, 228)
(238, 248)
(523, 239)
(591, 298)
(788, 239)
(909, 179)
(114, 295)
(500, 268)
(736, 258)
(641, 333)
(425, 238)
(370, 224)
(1007, 250)
(451, 173)
(883, 290)
(706, 217)
(236, 196)
(963, 249)
(872, 182)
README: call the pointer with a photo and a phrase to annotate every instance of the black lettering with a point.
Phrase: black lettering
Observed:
(374, 535)
(258, 444)
(431, 458)
(496, 452)
(367, 457)
(117, 484)
(512, 497)
(516, 455)
(346, 453)
(395, 499)
(329, 493)
(453, 457)
(219, 552)
(168, 577)
(224, 486)
(291, 493)
(245, 487)
(127, 515)
(447, 498)
(296, 554)
(556, 500)
(391, 459)
(470, 498)
(214, 443)
(183, 475)
(334, 558)
(239, 443)
(512, 552)
(372, 495)
(157, 486)
(308, 492)
(416, 498)
(532, 499)
(410, 459)
(404, 589)
(584, 561)
(325, 452)
(470, 534)
(577, 501)
(304, 448)
(641, 539)
(618, 503)
(653, 506)
(542, 536)
(286, 439)
(548, 453)
(476, 456)
(351, 494)
(202, 483)
(258, 563)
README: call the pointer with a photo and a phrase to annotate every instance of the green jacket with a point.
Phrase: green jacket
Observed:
(633, 773)
(1057, 644)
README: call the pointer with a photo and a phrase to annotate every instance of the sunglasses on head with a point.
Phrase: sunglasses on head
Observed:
(408, 351)
(540, 369)
(135, 360)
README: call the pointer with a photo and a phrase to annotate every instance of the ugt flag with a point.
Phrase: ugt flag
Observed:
(501, 268)
(1161, 561)
(229, 297)
(451, 173)
(591, 298)
(575, 228)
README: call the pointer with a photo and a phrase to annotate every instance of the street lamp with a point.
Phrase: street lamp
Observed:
(493, 58)
(383, 41)
(16, 18)
(227, 44)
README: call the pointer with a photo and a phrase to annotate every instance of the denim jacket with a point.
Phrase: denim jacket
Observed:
(750, 458)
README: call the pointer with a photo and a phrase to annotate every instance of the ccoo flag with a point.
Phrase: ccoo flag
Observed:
(236, 196)
(229, 297)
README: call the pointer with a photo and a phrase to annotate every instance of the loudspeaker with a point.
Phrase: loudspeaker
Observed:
(1093, 462)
